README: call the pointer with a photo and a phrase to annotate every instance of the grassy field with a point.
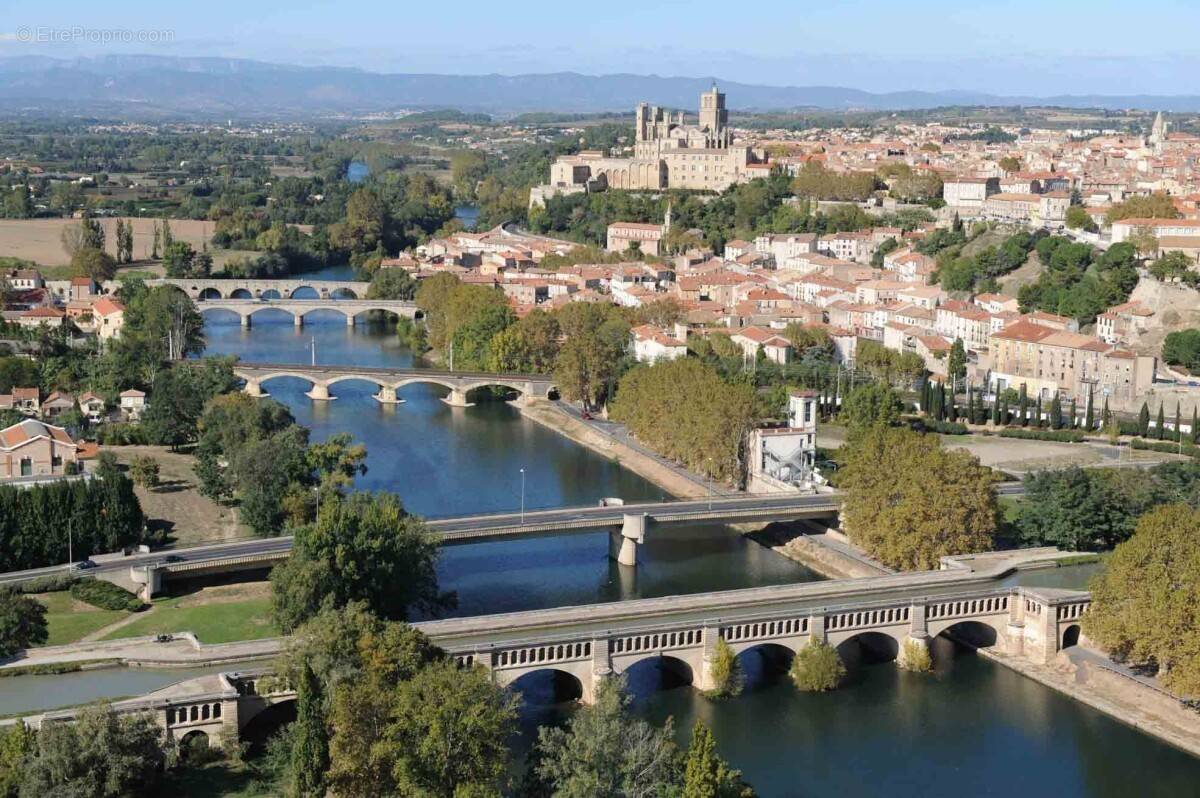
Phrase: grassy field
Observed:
(176, 505)
(218, 614)
(68, 620)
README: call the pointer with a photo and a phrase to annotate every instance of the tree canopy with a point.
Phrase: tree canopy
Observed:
(909, 502)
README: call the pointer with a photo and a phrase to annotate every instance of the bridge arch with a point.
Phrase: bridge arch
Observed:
(357, 378)
(973, 633)
(868, 648)
(193, 744)
(764, 663)
(270, 718)
(304, 292)
(274, 375)
(270, 293)
(657, 672)
(208, 310)
(343, 293)
(210, 292)
(241, 293)
(548, 686)
(1070, 636)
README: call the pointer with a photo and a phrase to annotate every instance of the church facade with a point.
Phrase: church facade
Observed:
(667, 153)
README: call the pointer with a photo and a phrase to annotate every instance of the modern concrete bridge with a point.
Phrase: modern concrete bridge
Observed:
(212, 288)
(680, 633)
(390, 380)
(350, 308)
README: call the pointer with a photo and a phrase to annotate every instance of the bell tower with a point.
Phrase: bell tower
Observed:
(713, 117)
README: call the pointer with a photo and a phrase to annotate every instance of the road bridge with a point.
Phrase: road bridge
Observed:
(390, 380)
(681, 633)
(298, 308)
(219, 288)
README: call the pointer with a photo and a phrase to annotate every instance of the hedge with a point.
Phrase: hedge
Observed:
(51, 583)
(1055, 435)
(944, 427)
(105, 595)
(1166, 447)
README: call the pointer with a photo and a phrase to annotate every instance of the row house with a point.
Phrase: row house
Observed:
(846, 246)
(957, 319)
(968, 193)
(1117, 324)
(1039, 210)
(873, 292)
(1159, 228)
(1049, 362)
(652, 344)
(782, 247)
(997, 303)
(774, 346)
(926, 296)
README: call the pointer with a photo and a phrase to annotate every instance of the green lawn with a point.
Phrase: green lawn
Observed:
(66, 624)
(215, 622)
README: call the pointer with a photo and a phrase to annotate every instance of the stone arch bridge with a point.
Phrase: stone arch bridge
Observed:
(216, 288)
(298, 308)
(587, 644)
(459, 383)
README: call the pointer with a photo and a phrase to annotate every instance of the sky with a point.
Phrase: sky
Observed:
(1012, 47)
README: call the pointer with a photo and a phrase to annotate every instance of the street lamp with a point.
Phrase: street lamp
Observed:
(522, 497)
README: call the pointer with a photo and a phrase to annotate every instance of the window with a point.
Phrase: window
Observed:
(26, 466)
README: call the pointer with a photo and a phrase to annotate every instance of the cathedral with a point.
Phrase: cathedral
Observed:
(667, 153)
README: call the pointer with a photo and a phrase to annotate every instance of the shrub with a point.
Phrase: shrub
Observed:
(1189, 449)
(51, 583)
(144, 471)
(916, 657)
(726, 672)
(817, 668)
(121, 435)
(942, 427)
(105, 595)
(1056, 435)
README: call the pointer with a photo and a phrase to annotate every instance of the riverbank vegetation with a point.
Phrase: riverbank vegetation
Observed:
(909, 502)
(1143, 608)
(726, 672)
(817, 668)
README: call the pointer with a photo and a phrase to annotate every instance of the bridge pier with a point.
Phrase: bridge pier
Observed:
(601, 669)
(623, 542)
(387, 396)
(297, 320)
(457, 398)
(319, 392)
(254, 388)
(349, 319)
(246, 320)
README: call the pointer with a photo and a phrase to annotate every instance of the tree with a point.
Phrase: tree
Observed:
(1055, 412)
(875, 405)
(181, 260)
(1154, 206)
(1083, 509)
(705, 774)
(684, 410)
(1182, 348)
(1089, 419)
(144, 470)
(17, 742)
(392, 284)
(1144, 602)
(22, 622)
(101, 755)
(1023, 405)
(18, 204)
(1173, 266)
(1079, 219)
(124, 241)
(449, 730)
(530, 346)
(364, 547)
(1160, 423)
(1143, 420)
(1010, 163)
(924, 504)
(94, 263)
(817, 668)
(174, 409)
(310, 739)
(957, 365)
(603, 752)
(726, 671)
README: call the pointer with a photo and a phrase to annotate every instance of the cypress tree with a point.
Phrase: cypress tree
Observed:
(1178, 424)
(1056, 413)
(1106, 415)
(1195, 426)
(1074, 414)
(1005, 415)
(952, 409)
(1143, 420)
(1023, 405)
(996, 411)
(1159, 423)
(1091, 419)
(1037, 411)
(310, 743)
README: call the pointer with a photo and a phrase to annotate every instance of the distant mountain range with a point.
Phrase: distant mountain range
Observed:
(163, 87)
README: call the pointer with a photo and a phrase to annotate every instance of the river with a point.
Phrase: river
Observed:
(975, 728)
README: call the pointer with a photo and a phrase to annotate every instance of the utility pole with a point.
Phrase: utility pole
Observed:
(452, 354)
(70, 546)
(522, 497)
(314, 350)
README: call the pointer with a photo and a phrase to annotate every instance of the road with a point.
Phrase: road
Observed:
(476, 528)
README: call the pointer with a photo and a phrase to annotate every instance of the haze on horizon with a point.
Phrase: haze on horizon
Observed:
(1023, 47)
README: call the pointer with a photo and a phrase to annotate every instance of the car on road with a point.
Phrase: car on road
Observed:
(82, 565)
(173, 558)
(586, 416)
